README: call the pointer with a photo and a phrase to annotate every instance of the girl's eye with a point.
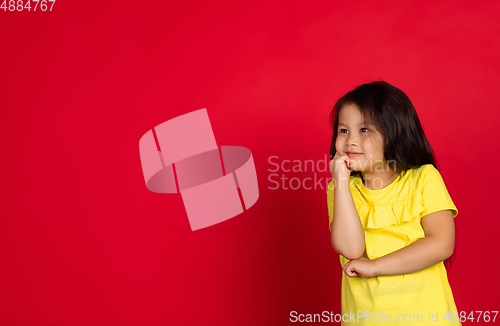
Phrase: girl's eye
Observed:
(342, 130)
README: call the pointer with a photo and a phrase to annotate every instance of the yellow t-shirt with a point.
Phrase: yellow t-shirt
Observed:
(391, 220)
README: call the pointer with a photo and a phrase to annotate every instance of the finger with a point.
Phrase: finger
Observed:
(349, 271)
(345, 266)
(355, 274)
(335, 157)
(348, 162)
(345, 159)
(342, 157)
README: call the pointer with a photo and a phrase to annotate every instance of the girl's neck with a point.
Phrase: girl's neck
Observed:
(375, 180)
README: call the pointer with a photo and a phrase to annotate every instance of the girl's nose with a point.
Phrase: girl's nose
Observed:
(351, 141)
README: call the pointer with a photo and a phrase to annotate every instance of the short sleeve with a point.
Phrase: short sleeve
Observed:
(330, 203)
(435, 196)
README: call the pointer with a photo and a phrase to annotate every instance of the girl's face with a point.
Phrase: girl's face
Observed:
(354, 136)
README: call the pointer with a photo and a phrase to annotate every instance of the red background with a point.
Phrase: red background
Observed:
(83, 242)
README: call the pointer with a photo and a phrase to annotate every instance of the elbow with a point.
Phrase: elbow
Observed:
(350, 253)
(353, 256)
(445, 249)
(350, 248)
(448, 247)
(442, 249)
(448, 251)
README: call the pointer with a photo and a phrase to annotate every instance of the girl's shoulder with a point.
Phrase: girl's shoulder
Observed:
(426, 167)
(424, 175)
(420, 172)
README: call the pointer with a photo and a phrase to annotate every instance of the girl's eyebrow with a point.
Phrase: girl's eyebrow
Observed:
(359, 124)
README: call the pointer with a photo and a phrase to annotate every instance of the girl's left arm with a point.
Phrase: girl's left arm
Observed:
(438, 244)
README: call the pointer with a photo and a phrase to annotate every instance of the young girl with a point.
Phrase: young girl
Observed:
(391, 216)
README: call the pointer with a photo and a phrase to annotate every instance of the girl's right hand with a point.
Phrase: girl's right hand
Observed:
(339, 168)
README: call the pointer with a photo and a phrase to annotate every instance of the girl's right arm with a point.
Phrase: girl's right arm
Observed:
(347, 235)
